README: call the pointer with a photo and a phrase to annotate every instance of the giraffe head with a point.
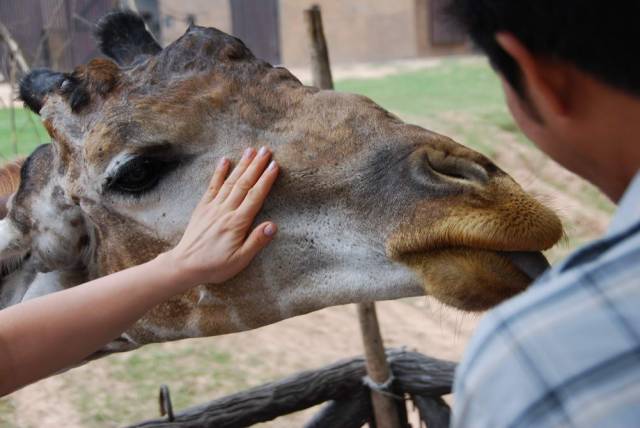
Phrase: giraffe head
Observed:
(368, 207)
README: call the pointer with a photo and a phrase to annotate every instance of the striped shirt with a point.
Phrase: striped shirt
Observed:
(566, 353)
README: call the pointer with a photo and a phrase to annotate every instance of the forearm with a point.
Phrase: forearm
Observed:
(70, 325)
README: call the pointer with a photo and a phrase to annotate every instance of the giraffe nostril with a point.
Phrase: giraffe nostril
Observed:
(431, 167)
(458, 168)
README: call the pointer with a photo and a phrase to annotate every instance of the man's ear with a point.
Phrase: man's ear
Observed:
(546, 82)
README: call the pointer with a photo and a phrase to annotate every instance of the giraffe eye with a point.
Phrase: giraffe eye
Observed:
(139, 175)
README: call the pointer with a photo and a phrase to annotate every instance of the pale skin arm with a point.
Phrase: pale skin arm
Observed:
(44, 335)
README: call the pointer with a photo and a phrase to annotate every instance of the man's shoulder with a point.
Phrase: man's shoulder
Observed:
(566, 335)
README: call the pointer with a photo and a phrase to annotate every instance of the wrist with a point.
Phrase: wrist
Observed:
(174, 274)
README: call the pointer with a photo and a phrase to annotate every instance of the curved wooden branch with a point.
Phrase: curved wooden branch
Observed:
(415, 374)
(433, 411)
(14, 48)
(352, 412)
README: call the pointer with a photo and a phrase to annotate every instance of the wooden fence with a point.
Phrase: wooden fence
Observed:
(417, 378)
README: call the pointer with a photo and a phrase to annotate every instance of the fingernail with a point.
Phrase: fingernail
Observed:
(248, 153)
(272, 166)
(269, 230)
(223, 162)
(263, 151)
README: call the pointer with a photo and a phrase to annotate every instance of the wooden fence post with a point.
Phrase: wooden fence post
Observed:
(385, 408)
(320, 65)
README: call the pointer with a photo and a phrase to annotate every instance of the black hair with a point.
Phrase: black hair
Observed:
(598, 37)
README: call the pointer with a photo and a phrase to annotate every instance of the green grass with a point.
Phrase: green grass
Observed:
(193, 372)
(7, 410)
(464, 96)
(453, 86)
(29, 133)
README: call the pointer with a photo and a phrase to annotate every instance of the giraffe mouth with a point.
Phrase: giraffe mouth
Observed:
(472, 278)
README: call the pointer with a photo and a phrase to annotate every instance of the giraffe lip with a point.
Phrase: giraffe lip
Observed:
(532, 263)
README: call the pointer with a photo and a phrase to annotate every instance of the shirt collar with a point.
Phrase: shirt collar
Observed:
(628, 211)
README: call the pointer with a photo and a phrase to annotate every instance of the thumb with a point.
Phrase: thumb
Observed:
(259, 238)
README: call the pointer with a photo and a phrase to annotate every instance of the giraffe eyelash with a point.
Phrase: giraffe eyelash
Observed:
(139, 175)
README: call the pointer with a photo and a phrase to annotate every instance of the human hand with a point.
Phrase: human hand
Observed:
(217, 244)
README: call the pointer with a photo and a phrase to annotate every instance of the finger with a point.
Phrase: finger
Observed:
(237, 172)
(216, 180)
(256, 241)
(254, 200)
(249, 178)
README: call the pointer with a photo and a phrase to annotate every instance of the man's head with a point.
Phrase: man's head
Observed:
(571, 80)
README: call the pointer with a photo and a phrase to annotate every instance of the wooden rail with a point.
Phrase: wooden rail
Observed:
(423, 378)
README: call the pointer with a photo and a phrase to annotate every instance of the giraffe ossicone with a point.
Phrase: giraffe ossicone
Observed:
(368, 207)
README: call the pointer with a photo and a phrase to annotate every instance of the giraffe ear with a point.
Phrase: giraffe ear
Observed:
(123, 37)
(36, 85)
